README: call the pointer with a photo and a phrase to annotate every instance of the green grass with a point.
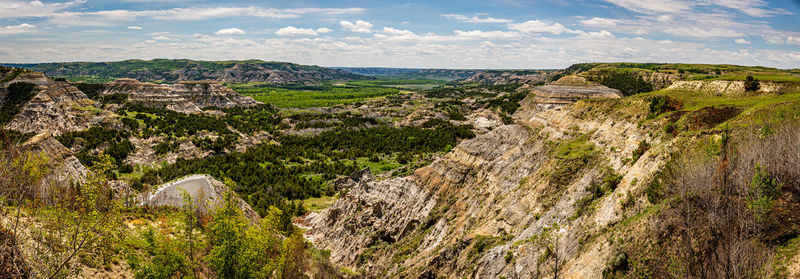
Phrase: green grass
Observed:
(319, 204)
(88, 79)
(310, 96)
(693, 100)
(384, 165)
(775, 77)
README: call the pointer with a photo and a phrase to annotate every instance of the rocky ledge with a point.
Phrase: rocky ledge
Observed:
(186, 96)
(570, 89)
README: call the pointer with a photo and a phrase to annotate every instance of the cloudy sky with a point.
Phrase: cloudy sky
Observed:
(427, 34)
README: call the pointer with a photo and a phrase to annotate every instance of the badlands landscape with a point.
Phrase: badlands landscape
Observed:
(507, 139)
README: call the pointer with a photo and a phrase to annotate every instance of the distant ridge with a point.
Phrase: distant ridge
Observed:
(175, 70)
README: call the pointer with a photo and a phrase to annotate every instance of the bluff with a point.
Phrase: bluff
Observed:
(493, 196)
(56, 107)
(185, 96)
(511, 77)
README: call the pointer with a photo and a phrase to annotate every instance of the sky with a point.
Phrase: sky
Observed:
(487, 34)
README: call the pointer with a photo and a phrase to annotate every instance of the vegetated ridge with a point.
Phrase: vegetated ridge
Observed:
(175, 70)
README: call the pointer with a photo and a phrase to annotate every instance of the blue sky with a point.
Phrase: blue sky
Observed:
(505, 34)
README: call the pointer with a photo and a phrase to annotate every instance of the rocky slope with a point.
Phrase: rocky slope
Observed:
(443, 74)
(570, 89)
(185, 96)
(511, 77)
(64, 168)
(190, 70)
(481, 210)
(730, 88)
(56, 107)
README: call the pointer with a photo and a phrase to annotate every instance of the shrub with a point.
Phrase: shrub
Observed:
(618, 263)
(507, 120)
(662, 104)
(751, 84)
(611, 179)
(643, 147)
(654, 192)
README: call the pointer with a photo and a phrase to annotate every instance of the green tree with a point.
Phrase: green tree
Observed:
(751, 84)
(762, 193)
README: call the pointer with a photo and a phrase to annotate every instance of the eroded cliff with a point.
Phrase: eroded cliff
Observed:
(484, 209)
(186, 96)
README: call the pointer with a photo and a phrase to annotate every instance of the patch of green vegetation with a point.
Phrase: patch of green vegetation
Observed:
(572, 156)
(317, 204)
(88, 79)
(783, 256)
(482, 243)
(305, 96)
(766, 105)
(19, 93)
(774, 77)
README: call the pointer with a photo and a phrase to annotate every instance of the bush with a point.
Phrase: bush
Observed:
(662, 104)
(126, 168)
(751, 84)
(643, 147)
(654, 191)
(627, 83)
(618, 263)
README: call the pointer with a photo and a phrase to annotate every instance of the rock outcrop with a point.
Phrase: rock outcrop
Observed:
(63, 167)
(185, 97)
(490, 197)
(510, 77)
(56, 107)
(730, 88)
(207, 193)
(570, 89)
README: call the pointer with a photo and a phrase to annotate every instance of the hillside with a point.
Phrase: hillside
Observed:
(632, 187)
(589, 172)
(175, 70)
(441, 74)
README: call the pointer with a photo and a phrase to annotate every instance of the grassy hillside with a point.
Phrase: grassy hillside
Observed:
(171, 70)
(692, 71)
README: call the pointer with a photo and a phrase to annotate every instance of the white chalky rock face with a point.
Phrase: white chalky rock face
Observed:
(204, 190)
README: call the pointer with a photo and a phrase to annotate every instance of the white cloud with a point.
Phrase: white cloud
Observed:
(135, 27)
(359, 26)
(323, 30)
(150, 41)
(754, 8)
(294, 31)
(17, 29)
(539, 27)
(107, 17)
(392, 31)
(793, 40)
(163, 38)
(653, 6)
(487, 34)
(25, 9)
(599, 34)
(476, 19)
(600, 22)
(230, 31)
(742, 41)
